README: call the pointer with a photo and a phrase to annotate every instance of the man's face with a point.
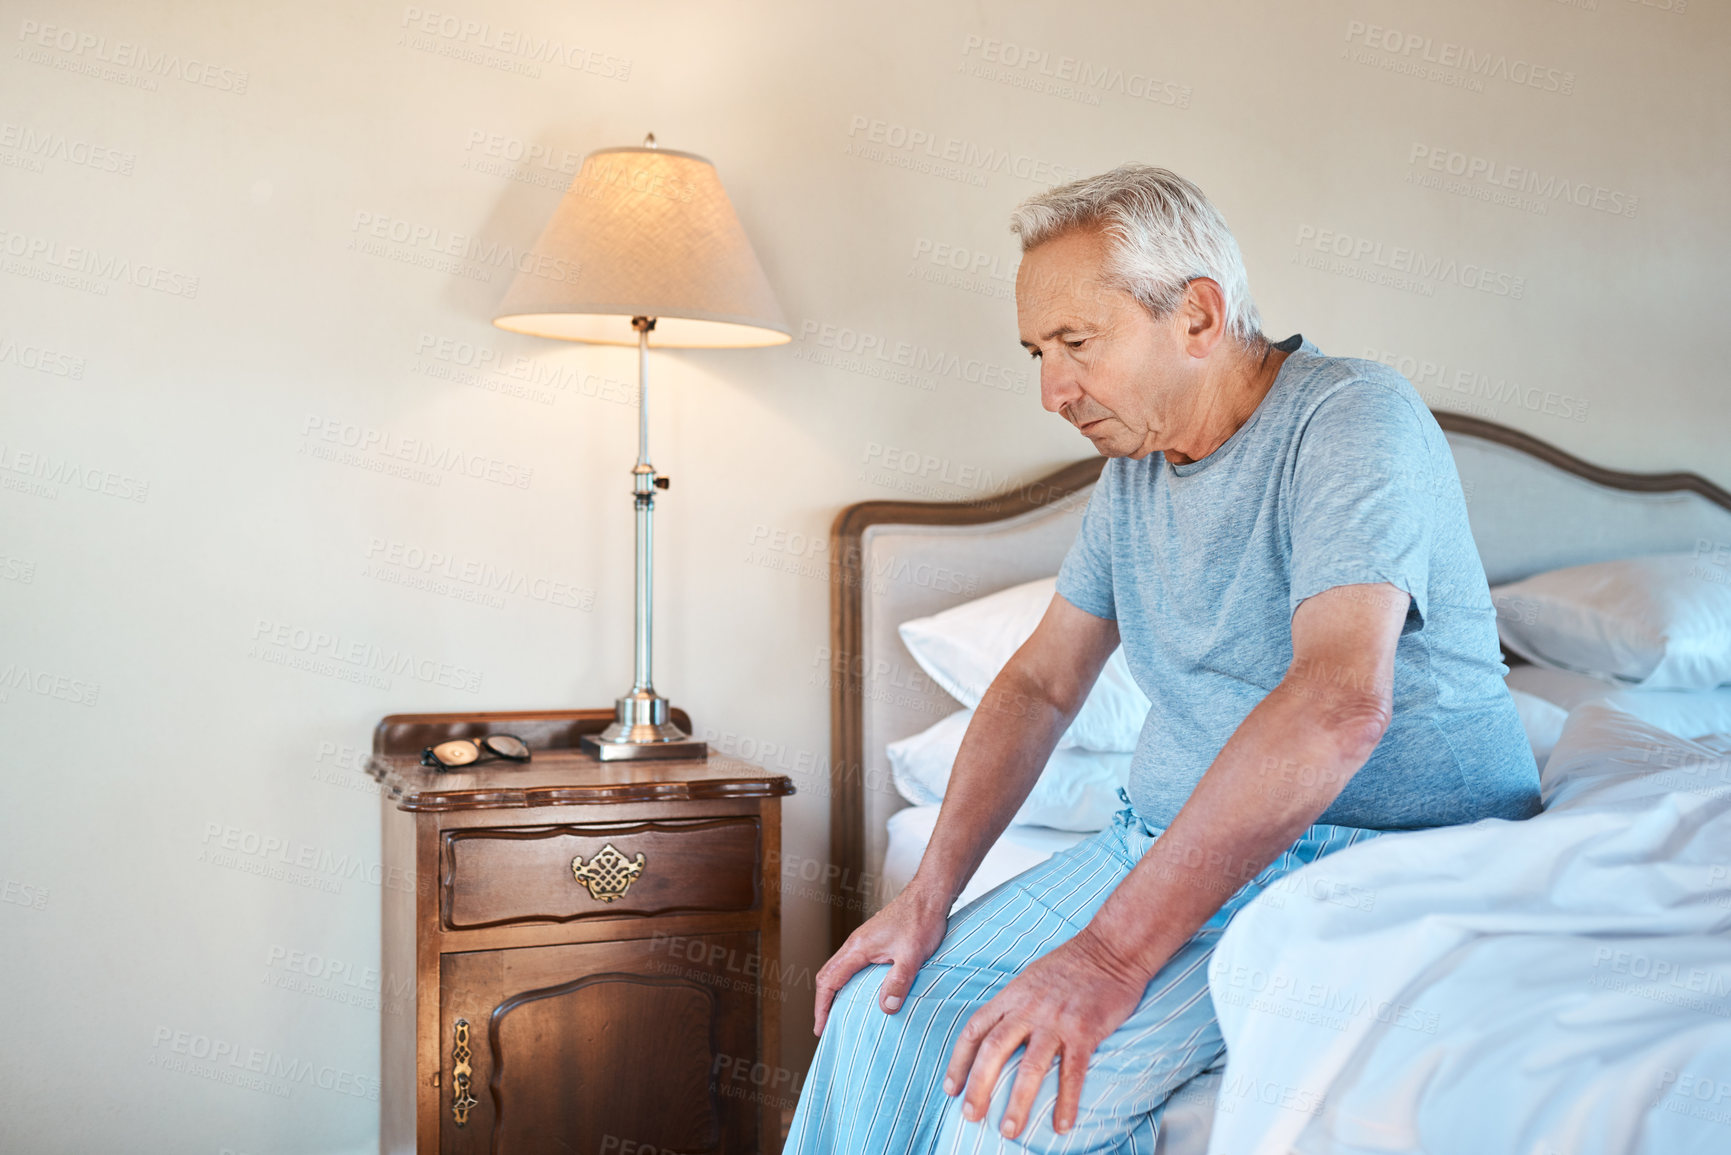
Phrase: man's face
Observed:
(1106, 365)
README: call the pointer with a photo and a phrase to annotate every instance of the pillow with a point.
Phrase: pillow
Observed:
(1078, 789)
(963, 648)
(1543, 722)
(1660, 623)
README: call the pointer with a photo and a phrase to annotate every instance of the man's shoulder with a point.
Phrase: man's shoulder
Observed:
(1321, 378)
(1347, 394)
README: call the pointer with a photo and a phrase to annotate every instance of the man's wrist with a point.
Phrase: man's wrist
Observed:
(1108, 948)
(924, 892)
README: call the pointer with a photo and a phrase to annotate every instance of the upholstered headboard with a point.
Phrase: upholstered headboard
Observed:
(1532, 506)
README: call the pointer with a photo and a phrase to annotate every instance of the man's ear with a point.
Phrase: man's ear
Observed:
(1203, 316)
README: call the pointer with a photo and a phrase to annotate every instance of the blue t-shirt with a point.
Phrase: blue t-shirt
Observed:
(1341, 476)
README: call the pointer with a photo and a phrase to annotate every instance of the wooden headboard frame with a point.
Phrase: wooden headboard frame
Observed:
(849, 582)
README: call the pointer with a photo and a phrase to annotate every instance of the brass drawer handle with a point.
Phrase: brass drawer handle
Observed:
(462, 1075)
(609, 874)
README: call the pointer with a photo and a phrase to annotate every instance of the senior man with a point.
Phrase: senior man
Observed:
(1280, 543)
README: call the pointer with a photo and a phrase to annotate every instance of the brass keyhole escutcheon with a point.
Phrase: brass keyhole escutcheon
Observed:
(609, 874)
(462, 1074)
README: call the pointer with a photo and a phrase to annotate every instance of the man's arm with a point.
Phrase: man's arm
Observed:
(1013, 732)
(1284, 766)
(1324, 719)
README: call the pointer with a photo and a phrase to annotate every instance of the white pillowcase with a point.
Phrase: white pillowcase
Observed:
(963, 648)
(1686, 713)
(1078, 789)
(1660, 623)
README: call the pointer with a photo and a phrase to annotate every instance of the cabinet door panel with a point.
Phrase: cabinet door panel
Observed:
(589, 1048)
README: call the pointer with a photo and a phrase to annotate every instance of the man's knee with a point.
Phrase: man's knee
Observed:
(868, 978)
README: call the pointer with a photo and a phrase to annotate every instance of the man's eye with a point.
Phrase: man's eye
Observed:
(1077, 343)
(1034, 353)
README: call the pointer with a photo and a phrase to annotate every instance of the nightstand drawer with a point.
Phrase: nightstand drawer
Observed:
(500, 876)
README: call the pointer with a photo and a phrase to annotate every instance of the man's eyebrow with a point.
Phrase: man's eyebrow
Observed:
(1059, 331)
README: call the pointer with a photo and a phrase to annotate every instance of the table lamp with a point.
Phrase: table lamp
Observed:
(644, 242)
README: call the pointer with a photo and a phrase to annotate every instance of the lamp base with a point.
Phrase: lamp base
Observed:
(642, 728)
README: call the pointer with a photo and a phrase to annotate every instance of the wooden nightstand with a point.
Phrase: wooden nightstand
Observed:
(594, 946)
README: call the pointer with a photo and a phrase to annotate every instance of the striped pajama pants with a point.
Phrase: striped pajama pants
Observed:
(876, 1083)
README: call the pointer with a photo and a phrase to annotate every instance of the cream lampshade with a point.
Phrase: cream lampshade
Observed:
(645, 232)
(645, 242)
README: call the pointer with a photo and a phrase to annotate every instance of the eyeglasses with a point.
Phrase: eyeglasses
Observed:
(467, 751)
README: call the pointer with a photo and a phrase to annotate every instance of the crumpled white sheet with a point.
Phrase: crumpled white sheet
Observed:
(1560, 986)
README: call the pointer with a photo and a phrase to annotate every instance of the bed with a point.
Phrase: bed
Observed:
(1533, 508)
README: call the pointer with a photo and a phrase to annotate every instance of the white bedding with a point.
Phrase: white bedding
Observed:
(1020, 848)
(1560, 986)
(1689, 713)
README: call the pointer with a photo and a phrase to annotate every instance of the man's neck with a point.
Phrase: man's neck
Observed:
(1227, 399)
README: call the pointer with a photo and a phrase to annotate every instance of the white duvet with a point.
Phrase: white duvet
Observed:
(1560, 986)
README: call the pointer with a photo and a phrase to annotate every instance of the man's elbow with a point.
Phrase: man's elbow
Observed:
(1354, 723)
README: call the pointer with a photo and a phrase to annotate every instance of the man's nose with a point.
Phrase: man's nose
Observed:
(1058, 386)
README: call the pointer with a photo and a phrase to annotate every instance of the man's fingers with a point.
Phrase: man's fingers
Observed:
(995, 1050)
(832, 977)
(1071, 1072)
(896, 985)
(967, 1043)
(849, 961)
(820, 1010)
(1031, 1071)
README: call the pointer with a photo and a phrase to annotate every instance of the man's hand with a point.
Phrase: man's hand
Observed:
(903, 934)
(1062, 1006)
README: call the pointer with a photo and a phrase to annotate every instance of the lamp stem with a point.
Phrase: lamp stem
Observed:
(643, 391)
(643, 725)
(643, 489)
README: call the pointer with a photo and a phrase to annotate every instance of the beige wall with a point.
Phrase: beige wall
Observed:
(167, 515)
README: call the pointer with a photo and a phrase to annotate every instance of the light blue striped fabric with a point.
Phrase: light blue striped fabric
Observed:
(876, 1082)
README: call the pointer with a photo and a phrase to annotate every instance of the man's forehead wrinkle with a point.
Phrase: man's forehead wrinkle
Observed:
(1088, 298)
(1069, 324)
(1067, 282)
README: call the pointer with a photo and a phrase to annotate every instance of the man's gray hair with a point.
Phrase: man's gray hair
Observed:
(1163, 234)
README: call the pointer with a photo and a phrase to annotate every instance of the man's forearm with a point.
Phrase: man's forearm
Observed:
(1011, 737)
(1281, 769)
